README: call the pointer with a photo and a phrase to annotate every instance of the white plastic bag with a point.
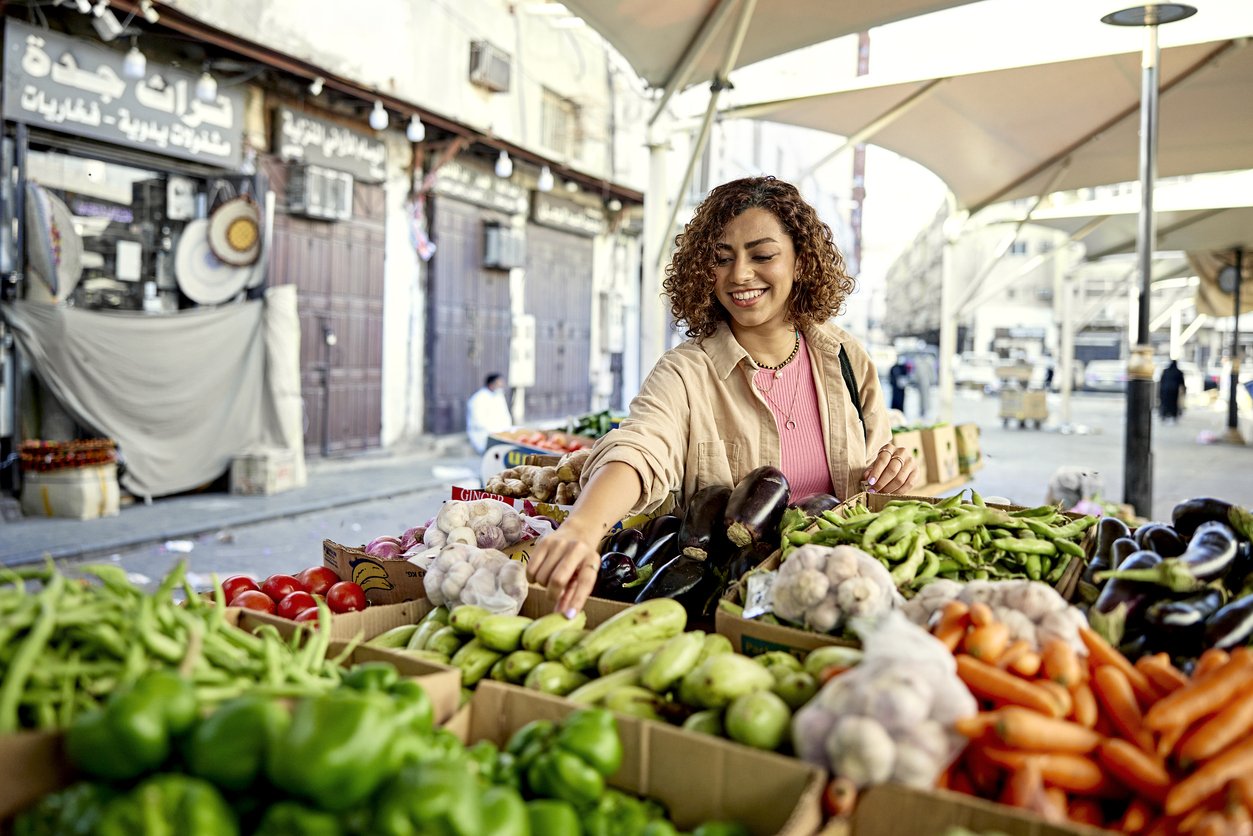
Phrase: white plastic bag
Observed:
(890, 718)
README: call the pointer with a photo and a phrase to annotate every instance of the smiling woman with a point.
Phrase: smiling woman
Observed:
(766, 379)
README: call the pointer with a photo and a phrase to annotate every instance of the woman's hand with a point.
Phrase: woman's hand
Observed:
(567, 562)
(892, 471)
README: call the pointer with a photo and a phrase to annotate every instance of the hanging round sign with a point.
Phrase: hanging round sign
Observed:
(201, 274)
(53, 247)
(235, 232)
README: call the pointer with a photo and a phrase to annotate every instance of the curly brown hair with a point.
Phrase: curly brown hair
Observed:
(819, 288)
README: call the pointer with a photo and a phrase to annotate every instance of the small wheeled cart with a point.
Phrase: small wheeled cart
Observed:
(1024, 406)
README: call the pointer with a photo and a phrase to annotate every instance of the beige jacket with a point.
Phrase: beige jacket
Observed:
(698, 420)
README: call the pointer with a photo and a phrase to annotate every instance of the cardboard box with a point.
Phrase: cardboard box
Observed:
(939, 447)
(697, 777)
(384, 581)
(969, 454)
(359, 626)
(893, 810)
(76, 493)
(911, 440)
(263, 472)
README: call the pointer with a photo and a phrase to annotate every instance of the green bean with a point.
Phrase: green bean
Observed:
(1015, 546)
(1034, 569)
(1069, 547)
(28, 654)
(1059, 568)
(906, 571)
(976, 499)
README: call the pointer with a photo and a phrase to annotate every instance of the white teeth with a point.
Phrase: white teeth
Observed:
(745, 295)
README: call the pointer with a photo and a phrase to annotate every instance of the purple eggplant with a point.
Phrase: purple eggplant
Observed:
(1211, 552)
(1120, 550)
(616, 570)
(628, 541)
(658, 527)
(1232, 625)
(1183, 613)
(1191, 513)
(1108, 529)
(677, 578)
(756, 506)
(662, 550)
(1160, 538)
(703, 533)
(816, 503)
(1122, 602)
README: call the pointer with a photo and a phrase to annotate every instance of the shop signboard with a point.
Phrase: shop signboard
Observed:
(567, 215)
(302, 138)
(480, 187)
(74, 86)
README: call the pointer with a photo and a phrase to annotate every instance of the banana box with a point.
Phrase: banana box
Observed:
(384, 581)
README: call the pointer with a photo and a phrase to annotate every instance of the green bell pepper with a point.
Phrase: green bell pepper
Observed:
(169, 805)
(504, 813)
(660, 827)
(74, 811)
(433, 799)
(372, 676)
(592, 734)
(564, 775)
(618, 814)
(483, 757)
(133, 733)
(721, 828)
(553, 817)
(229, 747)
(339, 748)
(288, 818)
(417, 711)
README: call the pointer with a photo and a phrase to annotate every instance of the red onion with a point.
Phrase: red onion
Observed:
(386, 547)
(412, 537)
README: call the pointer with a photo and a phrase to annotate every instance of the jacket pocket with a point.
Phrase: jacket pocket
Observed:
(717, 463)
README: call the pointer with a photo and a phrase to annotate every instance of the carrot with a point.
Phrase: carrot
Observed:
(1202, 696)
(981, 614)
(1062, 699)
(1241, 791)
(1101, 652)
(1136, 818)
(1016, 648)
(1056, 798)
(1234, 722)
(1025, 785)
(1086, 811)
(1210, 661)
(1162, 675)
(989, 683)
(987, 642)
(951, 626)
(1210, 778)
(1169, 739)
(1019, 728)
(985, 775)
(1113, 693)
(1061, 663)
(1027, 664)
(977, 726)
(1135, 769)
(1211, 824)
(1073, 773)
(1239, 821)
(1084, 710)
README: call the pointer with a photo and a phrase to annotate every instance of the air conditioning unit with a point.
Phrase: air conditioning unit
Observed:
(490, 67)
(504, 247)
(317, 192)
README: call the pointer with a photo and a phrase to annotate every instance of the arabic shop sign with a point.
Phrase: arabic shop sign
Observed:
(76, 87)
(302, 138)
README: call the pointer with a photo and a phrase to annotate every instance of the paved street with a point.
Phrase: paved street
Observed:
(354, 501)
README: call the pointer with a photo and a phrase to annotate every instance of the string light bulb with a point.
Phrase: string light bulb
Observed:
(504, 165)
(416, 131)
(545, 181)
(135, 64)
(315, 86)
(378, 116)
(207, 87)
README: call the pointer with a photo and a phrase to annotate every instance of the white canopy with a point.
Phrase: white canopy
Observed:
(1184, 228)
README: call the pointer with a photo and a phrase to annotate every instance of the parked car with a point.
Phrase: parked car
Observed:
(1105, 376)
(977, 370)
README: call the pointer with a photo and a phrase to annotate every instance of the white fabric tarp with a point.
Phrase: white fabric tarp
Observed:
(181, 394)
(284, 406)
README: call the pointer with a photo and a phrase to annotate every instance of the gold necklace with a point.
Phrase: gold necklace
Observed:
(778, 370)
(788, 423)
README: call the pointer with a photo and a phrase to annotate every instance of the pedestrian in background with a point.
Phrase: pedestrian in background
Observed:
(487, 412)
(924, 377)
(898, 378)
(1169, 388)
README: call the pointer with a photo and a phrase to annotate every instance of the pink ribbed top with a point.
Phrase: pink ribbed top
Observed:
(793, 398)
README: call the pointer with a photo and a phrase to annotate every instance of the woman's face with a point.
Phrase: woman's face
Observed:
(754, 268)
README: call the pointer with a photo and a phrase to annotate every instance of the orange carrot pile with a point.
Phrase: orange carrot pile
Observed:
(1099, 741)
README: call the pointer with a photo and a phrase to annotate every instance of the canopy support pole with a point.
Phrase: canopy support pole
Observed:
(1067, 350)
(695, 49)
(1233, 415)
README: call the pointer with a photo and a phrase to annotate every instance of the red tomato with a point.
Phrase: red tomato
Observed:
(318, 579)
(253, 599)
(294, 604)
(279, 587)
(345, 596)
(310, 614)
(236, 584)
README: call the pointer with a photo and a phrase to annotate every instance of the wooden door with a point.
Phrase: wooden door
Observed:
(337, 268)
(559, 294)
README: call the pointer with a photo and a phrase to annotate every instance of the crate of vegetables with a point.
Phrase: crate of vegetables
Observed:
(875, 550)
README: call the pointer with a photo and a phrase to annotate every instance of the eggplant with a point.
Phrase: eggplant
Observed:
(1232, 625)
(746, 560)
(1188, 612)
(658, 527)
(816, 503)
(1189, 514)
(1211, 552)
(1122, 548)
(703, 533)
(662, 550)
(756, 506)
(1108, 530)
(628, 541)
(616, 570)
(679, 576)
(1121, 602)
(1160, 538)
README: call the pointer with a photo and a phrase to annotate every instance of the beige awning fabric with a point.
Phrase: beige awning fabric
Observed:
(1178, 229)
(655, 34)
(1210, 298)
(1002, 135)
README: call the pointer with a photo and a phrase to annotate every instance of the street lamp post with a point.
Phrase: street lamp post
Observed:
(1231, 277)
(1138, 441)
